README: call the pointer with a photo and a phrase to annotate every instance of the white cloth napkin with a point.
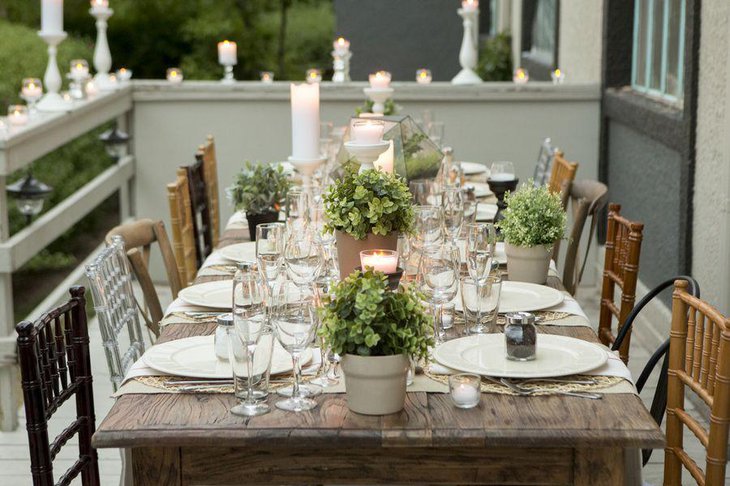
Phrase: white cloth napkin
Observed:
(237, 221)
(179, 305)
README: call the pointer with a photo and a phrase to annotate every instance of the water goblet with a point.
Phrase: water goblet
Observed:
(303, 256)
(480, 302)
(453, 211)
(427, 227)
(297, 204)
(438, 279)
(270, 241)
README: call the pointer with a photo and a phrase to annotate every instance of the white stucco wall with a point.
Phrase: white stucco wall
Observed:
(581, 32)
(711, 224)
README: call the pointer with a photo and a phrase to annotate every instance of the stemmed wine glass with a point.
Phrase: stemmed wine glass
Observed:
(438, 279)
(481, 239)
(302, 256)
(270, 241)
(294, 317)
(297, 203)
(453, 211)
(427, 228)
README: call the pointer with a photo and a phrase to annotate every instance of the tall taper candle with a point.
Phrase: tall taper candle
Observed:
(305, 121)
(52, 16)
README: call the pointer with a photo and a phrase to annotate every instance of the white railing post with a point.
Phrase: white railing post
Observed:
(8, 388)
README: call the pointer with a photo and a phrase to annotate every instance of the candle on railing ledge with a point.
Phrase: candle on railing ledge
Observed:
(91, 89)
(174, 75)
(305, 121)
(52, 16)
(385, 261)
(124, 74)
(367, 132)
(66, 96)
(465, 390)
(470, 5)
(558, 76)
(380, 80)
(520, 76)
(227, 53)
(79, 69)
(423, 76)
(341, 46)
(112, 79)
(32, 88)
(267, 77)
(17, 115)
(314, 76)
(98, 6)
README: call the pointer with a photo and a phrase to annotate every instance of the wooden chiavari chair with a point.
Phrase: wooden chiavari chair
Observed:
(699, 362)
(206, 153)
(621, 269)
(181, 223)
(562, 175)
(55, 366)
(202, 229)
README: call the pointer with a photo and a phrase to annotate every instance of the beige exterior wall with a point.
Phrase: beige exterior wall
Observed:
(581, 35)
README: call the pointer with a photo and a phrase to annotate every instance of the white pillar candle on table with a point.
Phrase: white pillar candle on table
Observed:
(305, 121)
(385, 261)
(52, 16)
(32, 88)
(381, 79)
(385, 160)
(367, 131)
(99, 5)
(227, 53)
(341, 46)
(470, 5)
(17, 115)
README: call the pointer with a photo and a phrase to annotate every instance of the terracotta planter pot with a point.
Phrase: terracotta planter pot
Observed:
(257, 219)
(528, 264)
(375, 385)
(348, 249)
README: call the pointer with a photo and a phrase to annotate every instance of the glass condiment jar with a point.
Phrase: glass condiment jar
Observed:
(520, 335)
(220, 339)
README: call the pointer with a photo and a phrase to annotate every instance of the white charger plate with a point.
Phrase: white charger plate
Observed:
(523, 297)
(216, 295)
(556, 356)
(240, 252)
(486, 212)
(473, 168)
(481, 189)
(195, 357)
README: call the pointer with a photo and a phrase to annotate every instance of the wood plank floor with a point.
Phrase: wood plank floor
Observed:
(15, 465)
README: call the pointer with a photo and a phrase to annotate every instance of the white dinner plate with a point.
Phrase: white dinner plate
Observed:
(556, 356)
(523, 297)
(217, 294)
(481, 189)
(240, 252)
(486, 212)
(472, 168)
(195, 357)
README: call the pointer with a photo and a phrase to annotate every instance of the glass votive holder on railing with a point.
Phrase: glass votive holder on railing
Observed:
(17, 115)
(465, 390)
(423, 76)
(31, 91)
(558, 76)
(314, 76)
(267, 77)
(174, 75)
(124, 74)
(78, 70)
(521, 76)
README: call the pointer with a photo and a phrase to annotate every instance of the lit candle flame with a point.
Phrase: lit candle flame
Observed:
(341, 41)
(557, 72)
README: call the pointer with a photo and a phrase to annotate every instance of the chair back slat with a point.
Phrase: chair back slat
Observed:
(210, 171)
(201, 213)
(562, 175)
(620, 270)
(55, 365)
(699, 362)
(181, 222)
(116, 308)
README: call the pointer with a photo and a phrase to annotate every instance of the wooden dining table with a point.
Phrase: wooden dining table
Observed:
(192, 438)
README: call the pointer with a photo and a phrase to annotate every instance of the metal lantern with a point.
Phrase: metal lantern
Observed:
(29, 194)
(115, 142)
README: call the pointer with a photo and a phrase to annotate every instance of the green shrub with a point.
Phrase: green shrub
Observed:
(259, 188)
(534, 216)
(495, 58)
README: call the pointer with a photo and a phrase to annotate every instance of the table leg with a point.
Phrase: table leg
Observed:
(156, 466)
(599, 465)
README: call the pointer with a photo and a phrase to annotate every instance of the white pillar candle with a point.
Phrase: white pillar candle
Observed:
(99, 5)
(341, 46)
(52, 16)
(381, 79)
(367, 132)
(227, 53)
(385, 261)
(17, 115)
(470, 5)
(385, 160)
(305, 121)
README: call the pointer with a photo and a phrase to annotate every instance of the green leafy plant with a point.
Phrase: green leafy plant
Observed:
(259, 188)
(364, 317)
(534, 216)
(495, 58)
(370, 202)
(390, 108)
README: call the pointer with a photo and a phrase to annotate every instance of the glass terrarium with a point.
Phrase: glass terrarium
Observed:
(415, 156)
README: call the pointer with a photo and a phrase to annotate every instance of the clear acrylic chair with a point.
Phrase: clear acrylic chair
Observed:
(110, 280)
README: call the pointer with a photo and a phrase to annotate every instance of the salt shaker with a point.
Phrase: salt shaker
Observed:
(520, 335)
(220, 340)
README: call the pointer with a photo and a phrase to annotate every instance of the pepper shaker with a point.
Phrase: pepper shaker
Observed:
(520, 335)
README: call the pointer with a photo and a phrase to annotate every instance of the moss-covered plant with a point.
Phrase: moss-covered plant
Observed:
(534, 216)
(364, 317)
(370, 202)
(259, 188)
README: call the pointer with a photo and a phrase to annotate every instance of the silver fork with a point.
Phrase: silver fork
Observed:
(531, 391)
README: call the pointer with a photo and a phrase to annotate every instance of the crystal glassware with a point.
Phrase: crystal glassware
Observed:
(31, 91)
(452, 207)
(438, 279)
(303, 256)
(297, 207)
(258, 380)
(481, 241)
(270, 243)
(421, 190)
(502, 171)
(427, 227)
(480, 303)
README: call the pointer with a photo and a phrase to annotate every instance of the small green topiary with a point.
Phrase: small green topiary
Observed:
(366, 318)
(259, 188)
(534, 216)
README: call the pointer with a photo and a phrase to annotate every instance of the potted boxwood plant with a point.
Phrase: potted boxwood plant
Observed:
(533, 221)
(375, 330)
(259, 190)
(367, 211)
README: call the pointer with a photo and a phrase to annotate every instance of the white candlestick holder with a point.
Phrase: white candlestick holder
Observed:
(307, 167)
(378, 96)
(341, 66)
(52, 100)
(228, 77)
(469, 53)
(102, 54)
(366, 153)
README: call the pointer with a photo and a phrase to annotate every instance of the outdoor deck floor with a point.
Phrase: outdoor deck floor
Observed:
(15, 464)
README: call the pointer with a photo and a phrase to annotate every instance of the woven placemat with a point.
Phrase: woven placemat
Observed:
(166, 383)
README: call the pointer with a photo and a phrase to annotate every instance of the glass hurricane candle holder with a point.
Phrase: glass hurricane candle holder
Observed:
(465, 390)
(341, 46)
(124, 74)
(380, 80)
(558, 76)
(521, 76)
(368, 132)
(17, 115)
(385, 261)
(78, 70)
(423, 76)
(174, 75)
(314, 76)
(31, 91)
(267, 77)
(91, 89)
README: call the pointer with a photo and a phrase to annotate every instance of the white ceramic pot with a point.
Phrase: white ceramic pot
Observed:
(375, 385)
(528, 264)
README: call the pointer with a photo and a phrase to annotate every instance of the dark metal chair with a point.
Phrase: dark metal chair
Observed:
(55, 365)
(202, 227)
(659, 402)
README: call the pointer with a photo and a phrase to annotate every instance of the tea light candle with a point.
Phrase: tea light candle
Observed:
(32, 88)
(305, 121)
(227, 53)
(367, 131)
(423, 76)
(52, 16)
(341, 46)
(314, 76)
(558, 76)
(91, 89)
(124, 74)
(175, 75)
(521, 76)
(267, 77)
(99, 5)
(470, 5)
(464, 389)
(66, 96)
(385, 261)
(17, 115)
(380, 80)
(79, 69)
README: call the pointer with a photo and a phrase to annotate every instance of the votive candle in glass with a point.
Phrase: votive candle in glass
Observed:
(423, 76)
(380, 80)
(465, 390)
(79, 69)
(558, 76)
(32, 89)
(314, 76)
(91, 89)
(124, 74)
(367, 132)
(385, 261)
(520, 76)
(227, 53)
(174, 75)
(341, 46)
(267, 77)
(17, 115)
(470, 5)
